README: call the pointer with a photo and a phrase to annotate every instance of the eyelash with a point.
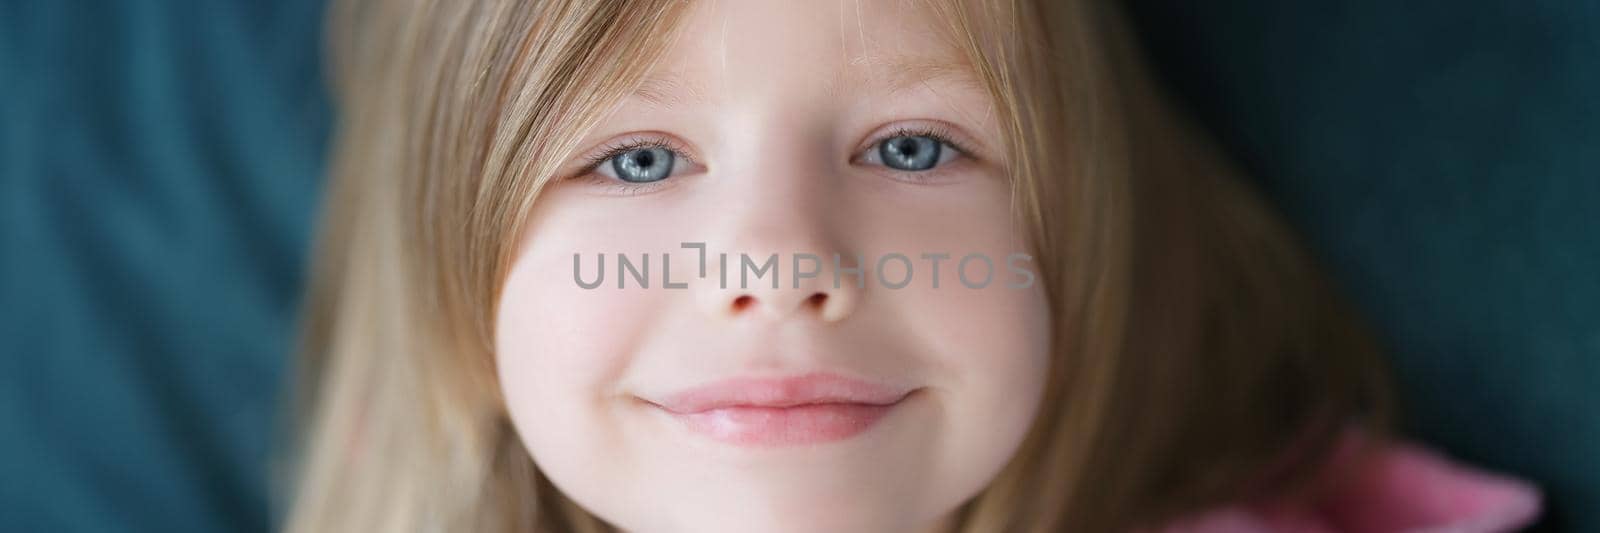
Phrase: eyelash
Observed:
(934, 132)
(592, 163)
(938, 133)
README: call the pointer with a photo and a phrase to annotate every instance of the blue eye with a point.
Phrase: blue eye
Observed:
(640, 165)
(911, 153)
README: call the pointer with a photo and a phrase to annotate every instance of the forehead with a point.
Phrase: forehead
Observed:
(828, 48)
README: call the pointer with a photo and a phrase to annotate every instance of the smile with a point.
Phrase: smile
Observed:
(807, 409)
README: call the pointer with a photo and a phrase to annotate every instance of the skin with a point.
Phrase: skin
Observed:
(776, 103)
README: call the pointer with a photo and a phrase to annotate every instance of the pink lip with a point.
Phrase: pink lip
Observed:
(806, 409)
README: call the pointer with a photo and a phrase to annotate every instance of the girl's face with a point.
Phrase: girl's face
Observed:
(879, 402)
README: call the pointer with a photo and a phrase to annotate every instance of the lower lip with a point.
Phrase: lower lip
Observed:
(785, 426)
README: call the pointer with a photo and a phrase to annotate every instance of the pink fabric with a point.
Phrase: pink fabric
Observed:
(1401, 487)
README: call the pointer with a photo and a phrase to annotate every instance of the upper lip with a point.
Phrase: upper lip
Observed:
(805, 389)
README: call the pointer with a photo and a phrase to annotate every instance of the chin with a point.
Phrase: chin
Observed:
(836, 514)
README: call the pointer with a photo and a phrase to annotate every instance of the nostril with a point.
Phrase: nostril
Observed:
(742, 302)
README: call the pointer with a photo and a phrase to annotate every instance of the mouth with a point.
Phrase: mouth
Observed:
(763, 412)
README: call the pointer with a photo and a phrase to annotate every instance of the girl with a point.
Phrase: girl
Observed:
(999, 286)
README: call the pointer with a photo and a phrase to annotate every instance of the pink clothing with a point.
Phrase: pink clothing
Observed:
(1401, 487)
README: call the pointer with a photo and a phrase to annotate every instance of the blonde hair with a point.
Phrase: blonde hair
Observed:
(1199, 357)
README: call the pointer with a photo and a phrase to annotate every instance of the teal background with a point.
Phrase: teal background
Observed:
(159, 171)
(160, 167)
(1443, 157)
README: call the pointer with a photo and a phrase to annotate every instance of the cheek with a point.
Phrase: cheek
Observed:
(552, 359)
(551, 339)
(991, 348)
(560, 350)
(987, 320)
(988, 349)
(559, 341)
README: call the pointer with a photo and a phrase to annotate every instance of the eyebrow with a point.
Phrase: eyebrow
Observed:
(893, 73)
(898, 73)
(670, 89)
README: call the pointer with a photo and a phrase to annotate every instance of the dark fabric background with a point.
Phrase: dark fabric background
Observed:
(1444, 159)
(160, 166)
(159, 172)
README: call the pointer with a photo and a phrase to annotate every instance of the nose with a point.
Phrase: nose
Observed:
(782, 255)
(776, 285)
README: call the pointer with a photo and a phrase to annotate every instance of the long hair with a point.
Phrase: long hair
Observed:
(1198, 355)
